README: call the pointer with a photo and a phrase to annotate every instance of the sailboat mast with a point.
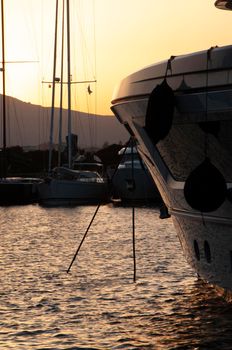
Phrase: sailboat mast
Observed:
(3, 90)
(53, 93)
(69, 87)
(61, 89)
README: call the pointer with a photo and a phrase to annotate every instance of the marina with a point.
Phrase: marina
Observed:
(115, 229)
(97, 305)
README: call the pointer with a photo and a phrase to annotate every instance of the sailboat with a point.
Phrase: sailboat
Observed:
(13, 190)
(65, 185)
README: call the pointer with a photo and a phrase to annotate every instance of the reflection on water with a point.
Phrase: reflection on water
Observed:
(97, 305)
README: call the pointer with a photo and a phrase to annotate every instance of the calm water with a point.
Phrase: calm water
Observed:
(97, 305)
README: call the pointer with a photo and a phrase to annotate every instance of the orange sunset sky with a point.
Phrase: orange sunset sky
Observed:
(109, 40)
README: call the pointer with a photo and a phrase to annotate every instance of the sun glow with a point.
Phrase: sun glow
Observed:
(109, 40)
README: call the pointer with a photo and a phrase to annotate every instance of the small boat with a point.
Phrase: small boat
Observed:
(13, 190)
(73, 187)
(18, 190)
(180, 111)
(131, 181)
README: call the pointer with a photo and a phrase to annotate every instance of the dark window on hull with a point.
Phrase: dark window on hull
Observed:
(231, 260)
(196, 249)
(207, 252)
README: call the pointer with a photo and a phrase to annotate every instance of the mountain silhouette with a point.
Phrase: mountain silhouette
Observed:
(29, 125)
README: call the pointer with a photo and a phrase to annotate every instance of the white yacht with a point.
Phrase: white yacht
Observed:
(180, 111)
(131, 182)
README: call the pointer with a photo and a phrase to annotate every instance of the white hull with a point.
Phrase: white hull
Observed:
(132, 182)
(203, 97)
(68, 192)
(144, 189)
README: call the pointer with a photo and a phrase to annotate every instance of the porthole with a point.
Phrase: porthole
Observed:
(230, 260)
(196, 249)
(207, 252)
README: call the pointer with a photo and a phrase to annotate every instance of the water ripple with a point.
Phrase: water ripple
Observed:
(97, 305)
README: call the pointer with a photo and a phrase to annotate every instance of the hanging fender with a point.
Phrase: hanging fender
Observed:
(159, 114)
(205, 188)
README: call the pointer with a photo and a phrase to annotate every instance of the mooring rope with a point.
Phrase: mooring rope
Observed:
(83, 238)
(133, 143)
